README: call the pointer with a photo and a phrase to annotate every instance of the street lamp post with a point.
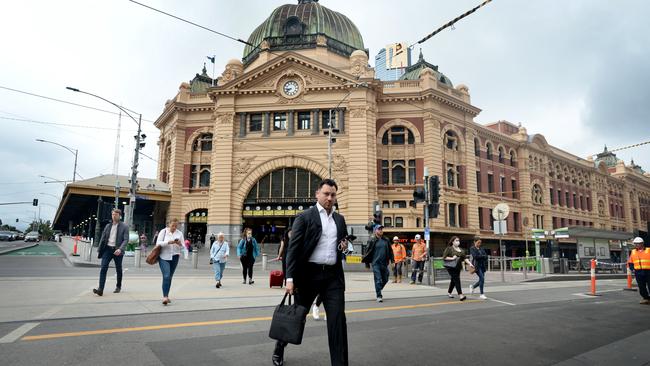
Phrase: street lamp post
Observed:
(136, 154)
(72, 151)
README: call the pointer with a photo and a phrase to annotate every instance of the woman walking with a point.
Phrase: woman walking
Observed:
(219, 253)
(247, 251)
(454, 252)
(479, 259)
(171, 241)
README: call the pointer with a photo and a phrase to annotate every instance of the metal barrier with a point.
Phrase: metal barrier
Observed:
(512, 264)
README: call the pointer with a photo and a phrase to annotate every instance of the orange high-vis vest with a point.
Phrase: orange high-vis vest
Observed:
(419, 250)
(399, 252)
(640, 259)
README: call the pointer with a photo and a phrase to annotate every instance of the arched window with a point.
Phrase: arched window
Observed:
(398, 135)
(537, 194)
(388, 221)
(204, 178)
(477, 147)
(489, 149)
(502, 154)
(399, 172)
(284, 184)
(451, 140)
(203, 143)
(513, 158)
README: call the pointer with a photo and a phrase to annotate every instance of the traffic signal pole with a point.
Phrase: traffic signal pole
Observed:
(426, 225)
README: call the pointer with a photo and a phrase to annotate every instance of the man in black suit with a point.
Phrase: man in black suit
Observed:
(314, 268)
(111, 247)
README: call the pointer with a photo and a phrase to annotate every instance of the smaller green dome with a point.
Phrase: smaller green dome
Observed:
(413, 72)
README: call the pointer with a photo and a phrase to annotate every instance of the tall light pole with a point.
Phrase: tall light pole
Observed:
(54, 180)
(72, 151)
(136, 153)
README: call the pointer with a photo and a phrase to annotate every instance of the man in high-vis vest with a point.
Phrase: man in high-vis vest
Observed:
(640, 263)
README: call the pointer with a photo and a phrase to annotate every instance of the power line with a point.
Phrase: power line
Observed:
(65, 124)
(63, 101)
(451, 23)
(629, 146)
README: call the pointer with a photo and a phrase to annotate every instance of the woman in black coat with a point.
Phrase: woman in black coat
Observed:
(479, 259)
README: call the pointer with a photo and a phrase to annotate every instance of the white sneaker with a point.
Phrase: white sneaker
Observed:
(315, 312)
(483, 297)
(379, 299)
(471, 289)
(450, 296)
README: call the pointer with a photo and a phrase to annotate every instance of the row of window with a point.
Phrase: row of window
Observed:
(489, 153)
(503, 187)
(279, 120)
(395, 172)
(486, 222)
(570, 200)
(559, 222)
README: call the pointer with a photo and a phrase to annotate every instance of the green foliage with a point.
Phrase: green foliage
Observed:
(6, 227)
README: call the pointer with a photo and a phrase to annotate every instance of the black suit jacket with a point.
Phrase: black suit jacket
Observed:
(121, 237)
(305, 234)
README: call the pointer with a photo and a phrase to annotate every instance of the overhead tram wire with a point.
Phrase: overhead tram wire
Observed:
(66, 124)
(451, 23)
(63, 101)
(627, 147)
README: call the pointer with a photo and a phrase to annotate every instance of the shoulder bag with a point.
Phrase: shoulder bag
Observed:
(152, 258)
(451, 263)
(288, 323)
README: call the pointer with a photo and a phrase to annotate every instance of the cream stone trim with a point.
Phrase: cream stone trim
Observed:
(195, 135)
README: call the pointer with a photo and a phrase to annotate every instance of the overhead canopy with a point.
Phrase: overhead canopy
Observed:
(589, 232)
(80, 199)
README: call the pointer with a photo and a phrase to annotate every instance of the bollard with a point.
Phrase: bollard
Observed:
(74, 248)
(195, 258)
(138, 258)
(264, 262)
(593, 277)
(629, 280)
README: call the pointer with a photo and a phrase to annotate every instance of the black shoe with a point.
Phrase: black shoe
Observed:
(117, 290)
(278, 355)
(250, 282)
(463, 297)
(98, 291)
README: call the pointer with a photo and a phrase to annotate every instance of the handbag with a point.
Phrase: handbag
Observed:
(152, 258)
(472, 270)
(450, 263)
(288, 323)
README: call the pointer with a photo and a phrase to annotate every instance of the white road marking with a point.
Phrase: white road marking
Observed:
(502, 302)
(17, 333)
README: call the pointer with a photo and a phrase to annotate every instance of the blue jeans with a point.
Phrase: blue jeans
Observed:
(218, 270)
(381, 277)
(167, 268)
(481, 279)
(418, 266)
(107, 257)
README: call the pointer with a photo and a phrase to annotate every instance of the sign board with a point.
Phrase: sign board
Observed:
(561, 233)
(427, 234)
(538, 234)
(500, 227)
(530, 262)
(353, 259)
(396, 56)
(500, 211)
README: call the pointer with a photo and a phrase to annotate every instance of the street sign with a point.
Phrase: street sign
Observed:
(561, 233)
(538, 233)
(500, 227)
(500, 211)
(427, 233)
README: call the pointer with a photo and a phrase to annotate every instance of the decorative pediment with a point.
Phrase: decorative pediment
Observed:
(269, 78)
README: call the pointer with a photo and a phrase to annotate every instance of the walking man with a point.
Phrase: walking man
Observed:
(111, 247)
(380, 255)
(314, 268)
(399, 256)
(640, 263)
(419, 256)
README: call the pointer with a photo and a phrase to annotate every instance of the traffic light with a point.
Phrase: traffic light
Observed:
(419, 195)
(434, 189)
(16, 220)
(35, 202)
(376, 217)
(433, 209)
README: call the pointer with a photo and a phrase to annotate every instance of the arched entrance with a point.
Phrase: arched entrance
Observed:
(274, 201)
(197, 224)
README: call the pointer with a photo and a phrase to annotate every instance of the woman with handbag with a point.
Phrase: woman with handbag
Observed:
(454, 256)
(479, 259)
(247, 251)
(219, 253)
(170, 240)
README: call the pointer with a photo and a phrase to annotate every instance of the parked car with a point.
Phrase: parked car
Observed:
(6, 236)
(19, 236)
(32, 236)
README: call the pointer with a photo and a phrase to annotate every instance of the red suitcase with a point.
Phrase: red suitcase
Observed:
(276, 279)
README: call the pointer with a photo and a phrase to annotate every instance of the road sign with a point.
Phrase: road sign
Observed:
(501, 211)
(538, 233)
(500, 227)
(427, 234)
(561, 233)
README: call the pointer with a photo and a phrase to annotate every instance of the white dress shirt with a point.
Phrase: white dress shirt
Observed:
(325, 251)
(113, 236)
(167, 250)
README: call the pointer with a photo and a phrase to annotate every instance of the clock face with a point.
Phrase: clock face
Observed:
(291, 88)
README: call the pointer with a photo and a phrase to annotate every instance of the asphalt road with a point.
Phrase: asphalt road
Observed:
(532, 327)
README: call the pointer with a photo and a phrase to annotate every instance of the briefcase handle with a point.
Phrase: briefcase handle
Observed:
(285, 298)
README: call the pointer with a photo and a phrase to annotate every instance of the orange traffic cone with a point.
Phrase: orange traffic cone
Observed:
(629, 280)
(74, 248)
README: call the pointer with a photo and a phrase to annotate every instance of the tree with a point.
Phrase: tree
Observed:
(6, 227)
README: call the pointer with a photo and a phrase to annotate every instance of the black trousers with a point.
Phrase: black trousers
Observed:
(324, 282)
(247, 266)
(455, 280)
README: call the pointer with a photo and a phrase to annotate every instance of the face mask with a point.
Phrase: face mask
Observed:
(456, 244)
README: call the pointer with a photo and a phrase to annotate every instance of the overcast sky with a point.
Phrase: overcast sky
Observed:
(576, 71)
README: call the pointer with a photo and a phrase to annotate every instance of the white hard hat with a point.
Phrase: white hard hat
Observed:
(637, 240)
(418, 236)
(395, 238)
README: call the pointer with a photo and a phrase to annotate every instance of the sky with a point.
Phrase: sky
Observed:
(575, 71)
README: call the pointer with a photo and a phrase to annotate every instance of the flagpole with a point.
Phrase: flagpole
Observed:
(214, 59)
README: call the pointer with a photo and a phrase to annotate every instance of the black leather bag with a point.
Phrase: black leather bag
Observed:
(451, 264)
(288, 323)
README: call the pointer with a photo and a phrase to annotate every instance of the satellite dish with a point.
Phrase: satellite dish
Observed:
(500, 211)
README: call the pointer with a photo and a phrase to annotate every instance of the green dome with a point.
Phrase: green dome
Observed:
(413, 72)
(293, 27)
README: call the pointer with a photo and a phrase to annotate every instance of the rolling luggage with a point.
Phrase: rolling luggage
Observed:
(276, 279)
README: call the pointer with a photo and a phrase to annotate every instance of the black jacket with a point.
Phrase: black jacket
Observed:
(121, 237)
(479, 257)
(305, 234)
(370, 251)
